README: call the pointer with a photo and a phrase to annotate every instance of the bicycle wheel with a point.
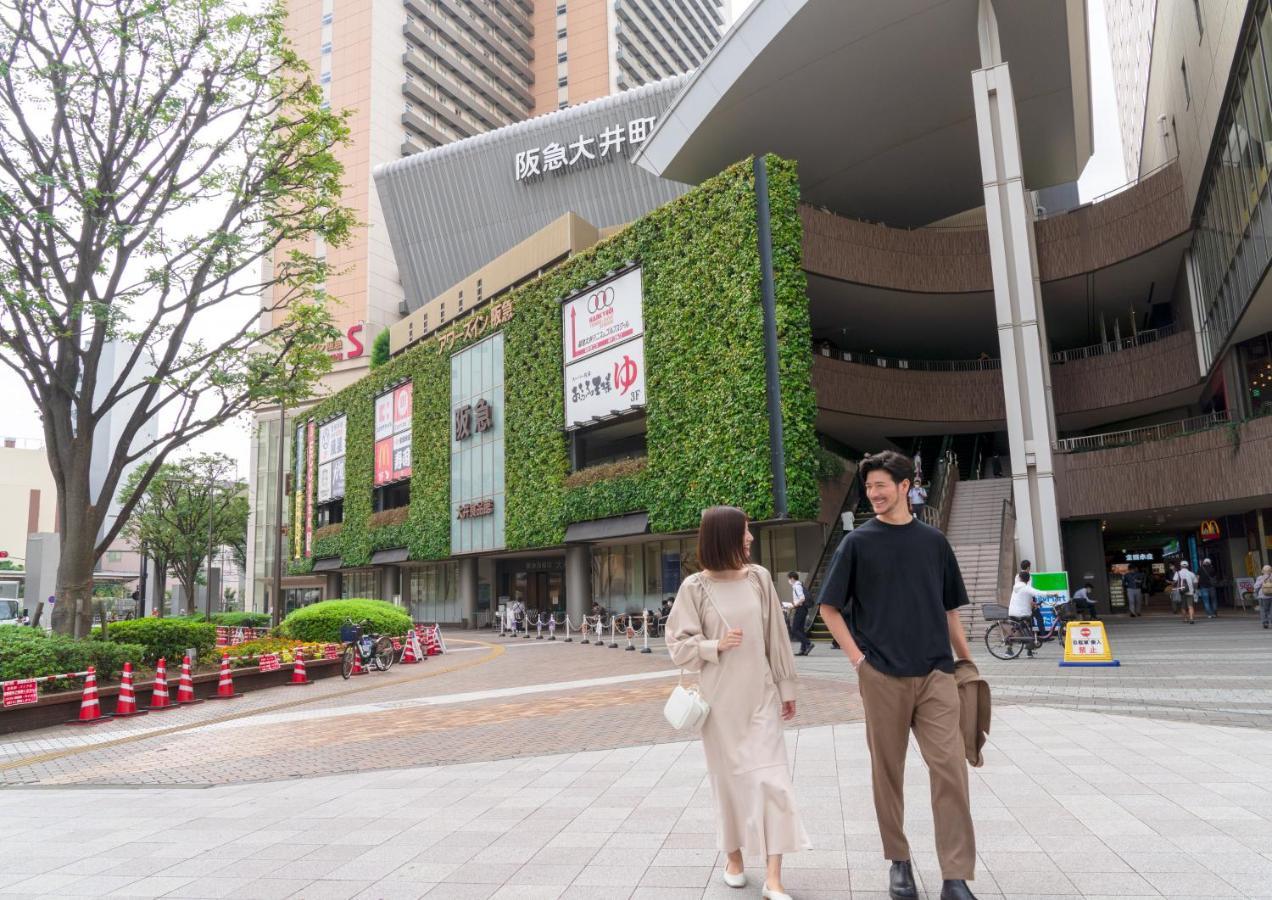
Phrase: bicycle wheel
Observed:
(1002, 640)
(384, 654)
(346, 662)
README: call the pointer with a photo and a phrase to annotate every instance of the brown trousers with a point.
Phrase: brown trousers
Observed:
(930, 706)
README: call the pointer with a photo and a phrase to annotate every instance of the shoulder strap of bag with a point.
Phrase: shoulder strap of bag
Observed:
(704, 583)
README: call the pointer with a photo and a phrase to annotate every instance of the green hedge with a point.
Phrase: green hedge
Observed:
(707, 425)
(322, 621)
(165, 638)
(241, 619)
(30, 652)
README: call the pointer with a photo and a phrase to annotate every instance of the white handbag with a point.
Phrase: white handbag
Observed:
(686, 708)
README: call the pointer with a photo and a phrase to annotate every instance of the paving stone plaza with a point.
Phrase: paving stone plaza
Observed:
(526, 769)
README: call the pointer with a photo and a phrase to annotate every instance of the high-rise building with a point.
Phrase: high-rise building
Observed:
(419, 74)
(1130, 27)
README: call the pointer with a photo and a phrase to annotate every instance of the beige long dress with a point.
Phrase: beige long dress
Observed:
(745, 686)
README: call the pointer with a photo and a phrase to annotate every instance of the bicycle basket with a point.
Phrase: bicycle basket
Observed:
(993, 611)
(349, 633)
(1066, 611)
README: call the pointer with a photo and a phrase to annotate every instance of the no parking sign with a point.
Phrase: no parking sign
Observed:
(1087, 644)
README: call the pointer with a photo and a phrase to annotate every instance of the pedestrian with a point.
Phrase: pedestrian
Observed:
(799, 617)
(1184, 585)
(727, 624)
(918, 497)
(1024, 609)
(891, 599)
(1263, 592)
(1133, 587)
(1207, 581)
(1084, 605)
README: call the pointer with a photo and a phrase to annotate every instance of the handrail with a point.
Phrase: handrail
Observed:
(1149, 336)
(1143, 435)
(918, 365)
(1110, 192)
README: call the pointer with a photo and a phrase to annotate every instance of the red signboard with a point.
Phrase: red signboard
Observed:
(331, 651)
(20, 693)
(392, 451)
(268, 662)
(1210, 530)
(402, 408)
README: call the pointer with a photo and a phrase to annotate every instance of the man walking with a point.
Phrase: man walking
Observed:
(1184, 586)
(1206, 584)
(1133, 586)
(891, 600)
(799, 616)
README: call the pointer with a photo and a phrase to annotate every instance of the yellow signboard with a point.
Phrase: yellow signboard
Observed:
(1087, 644)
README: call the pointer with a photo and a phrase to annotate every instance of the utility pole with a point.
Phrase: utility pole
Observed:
(276, 611)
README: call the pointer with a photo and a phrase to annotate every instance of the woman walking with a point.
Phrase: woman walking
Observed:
(727, 624)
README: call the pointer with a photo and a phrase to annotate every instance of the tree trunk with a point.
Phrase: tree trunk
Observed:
(73, 612)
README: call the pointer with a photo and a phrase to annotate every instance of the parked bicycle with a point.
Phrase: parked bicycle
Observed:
(361, 643)
(1007, 637)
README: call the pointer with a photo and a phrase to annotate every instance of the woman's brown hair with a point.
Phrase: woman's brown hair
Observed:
(720, 538)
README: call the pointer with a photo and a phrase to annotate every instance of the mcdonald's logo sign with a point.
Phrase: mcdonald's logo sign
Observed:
(1210, 530)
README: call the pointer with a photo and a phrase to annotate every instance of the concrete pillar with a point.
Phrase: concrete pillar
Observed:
(468, 591)
(578, 582)
(332, 591)
(1022, 334)
(390, 582)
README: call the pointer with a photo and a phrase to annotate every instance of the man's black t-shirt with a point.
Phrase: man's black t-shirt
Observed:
(1205, 577)
(894, 584)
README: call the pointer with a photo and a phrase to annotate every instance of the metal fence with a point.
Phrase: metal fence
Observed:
(917, 365)
(1143, 435)
(1151, 336)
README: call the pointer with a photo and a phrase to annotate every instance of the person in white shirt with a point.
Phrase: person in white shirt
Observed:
(799, 617)
(1023, 609)
(1263, 593)
(1185, 586)
(918, 497)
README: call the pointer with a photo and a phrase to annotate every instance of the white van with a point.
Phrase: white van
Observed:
(11, 612)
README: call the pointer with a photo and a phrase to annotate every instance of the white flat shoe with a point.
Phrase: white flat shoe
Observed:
(770, 894)
(735, 880)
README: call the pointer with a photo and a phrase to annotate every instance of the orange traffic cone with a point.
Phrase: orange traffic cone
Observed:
(411, 652)
(159, 696)
(357, 662)
(299, 675)
(126, 702)
(90, 709)
(185, 687)
(225, 687)
(431, 646)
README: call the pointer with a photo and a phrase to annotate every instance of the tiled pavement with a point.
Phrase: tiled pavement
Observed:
(564, 782)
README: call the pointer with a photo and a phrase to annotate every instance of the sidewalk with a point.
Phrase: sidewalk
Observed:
(1069, 804)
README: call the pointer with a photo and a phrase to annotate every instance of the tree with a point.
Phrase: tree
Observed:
(181, 503)
(380, 349)
(166, 176)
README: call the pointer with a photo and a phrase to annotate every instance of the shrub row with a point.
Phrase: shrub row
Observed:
(31, 653)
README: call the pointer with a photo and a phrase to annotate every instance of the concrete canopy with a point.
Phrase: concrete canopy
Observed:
(874, 101)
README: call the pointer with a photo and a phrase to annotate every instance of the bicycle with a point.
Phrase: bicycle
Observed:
(371, 649)
(1008, 636)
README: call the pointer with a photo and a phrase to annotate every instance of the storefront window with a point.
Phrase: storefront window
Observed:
(361, 584)
(632, 577)
(434, 593)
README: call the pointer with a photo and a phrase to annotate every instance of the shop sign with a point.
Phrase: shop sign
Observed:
(311, 441)
(536, 162)
(1139, 557)
(603, 316)
(393, 434)
(475, 326)
(606, 384)
(349, 347)
(472, 417)
(331, 459)
(477, 509)
(1056, 587)
(1210, 530)
(21, 692)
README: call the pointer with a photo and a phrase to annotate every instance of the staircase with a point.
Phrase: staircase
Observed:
(975, 532)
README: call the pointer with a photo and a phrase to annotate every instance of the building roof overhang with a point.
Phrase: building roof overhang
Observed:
(874, 100)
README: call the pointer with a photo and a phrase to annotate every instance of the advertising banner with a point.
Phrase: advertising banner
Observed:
(612, 381)
(603, 316)
(310, 454)
(393, 435)
(1056, 584)
(21, 692)
(331, 458)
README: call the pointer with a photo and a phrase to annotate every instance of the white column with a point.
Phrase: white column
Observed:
(578, 582)
(468, 591)
(1022, 333)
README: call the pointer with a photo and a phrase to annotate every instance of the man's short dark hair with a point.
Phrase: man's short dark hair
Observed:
(794, 575)
(900, 468)
(1025, 565)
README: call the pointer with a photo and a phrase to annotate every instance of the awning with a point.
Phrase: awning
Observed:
(396, 555)
(603, 529)
(327, 564)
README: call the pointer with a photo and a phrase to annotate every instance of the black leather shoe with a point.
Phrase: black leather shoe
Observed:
(901, 881)
(956, 889)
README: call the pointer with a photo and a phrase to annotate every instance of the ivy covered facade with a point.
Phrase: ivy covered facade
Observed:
(706, 422)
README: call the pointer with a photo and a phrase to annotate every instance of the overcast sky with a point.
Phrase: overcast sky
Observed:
(1104, 172)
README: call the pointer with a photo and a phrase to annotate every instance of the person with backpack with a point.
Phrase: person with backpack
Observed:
(1263, 593)
(1133, 586)
(1207, 581)
(1184, 586)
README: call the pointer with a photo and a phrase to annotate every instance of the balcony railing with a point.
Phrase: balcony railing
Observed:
(1151, 336)
(917, 365)
(1142, 435)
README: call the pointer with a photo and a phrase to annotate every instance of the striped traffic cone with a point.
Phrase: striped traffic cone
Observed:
(411, 653)
(185, 687)
(90, 709)
(357, 662)
(126, 702)
(159, 696)
(225, 687)
(299, 675)
(430, 642)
